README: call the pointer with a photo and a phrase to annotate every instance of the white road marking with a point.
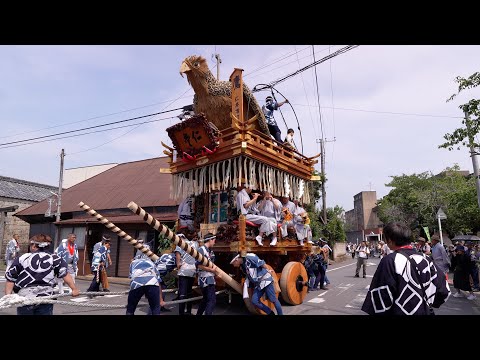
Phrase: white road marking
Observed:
(2, 279)
(357, 302)
(316, 300)
(111, 296)
(340, 267)
(321, 294)
(80, 299)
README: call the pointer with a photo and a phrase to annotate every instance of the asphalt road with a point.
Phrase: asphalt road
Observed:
(344, 297)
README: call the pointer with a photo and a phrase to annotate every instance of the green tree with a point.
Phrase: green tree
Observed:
(334, 230)
(416, 199)
(465, 135)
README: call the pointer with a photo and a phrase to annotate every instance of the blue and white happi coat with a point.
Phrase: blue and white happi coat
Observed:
(143, 272)
(165, 264)
(188, 267)
(257, 275)
(206, 278)
(98, 257)
(34, 273)
(63, 252)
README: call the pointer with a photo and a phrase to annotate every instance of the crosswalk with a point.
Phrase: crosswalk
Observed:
(2, 279)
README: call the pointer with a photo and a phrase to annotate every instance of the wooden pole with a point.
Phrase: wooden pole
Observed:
(150, 220)
(118, 231)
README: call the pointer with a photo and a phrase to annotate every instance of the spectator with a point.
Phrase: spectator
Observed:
(394, 289)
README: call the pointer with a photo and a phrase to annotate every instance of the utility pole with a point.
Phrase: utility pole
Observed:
(59, 199)
(324, 192)
(473, 155)
(219, 61)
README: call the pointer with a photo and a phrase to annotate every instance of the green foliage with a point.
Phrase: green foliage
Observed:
(416, 199)
(334, 230)
(163, 242)
(465, 135)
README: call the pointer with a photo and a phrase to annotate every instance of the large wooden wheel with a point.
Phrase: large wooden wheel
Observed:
(248, 301)
(292, 283)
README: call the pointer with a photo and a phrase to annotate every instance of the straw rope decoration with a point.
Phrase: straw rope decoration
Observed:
(118, 231)
(157, 225)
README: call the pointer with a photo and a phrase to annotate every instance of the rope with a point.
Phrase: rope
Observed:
(16, 300)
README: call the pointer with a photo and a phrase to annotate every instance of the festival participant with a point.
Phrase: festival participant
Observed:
(260, 278)
(33, 275)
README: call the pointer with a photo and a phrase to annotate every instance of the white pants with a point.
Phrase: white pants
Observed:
(267, 225)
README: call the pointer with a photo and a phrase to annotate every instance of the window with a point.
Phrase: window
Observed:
(218, 207)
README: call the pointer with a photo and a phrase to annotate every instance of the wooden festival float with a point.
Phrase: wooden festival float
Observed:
(212, 163)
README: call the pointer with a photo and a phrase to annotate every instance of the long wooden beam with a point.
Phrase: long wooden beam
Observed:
(157, 225)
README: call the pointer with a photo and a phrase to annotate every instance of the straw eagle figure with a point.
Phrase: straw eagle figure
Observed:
(214, 98)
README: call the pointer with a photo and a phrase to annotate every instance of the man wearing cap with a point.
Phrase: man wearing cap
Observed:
(33, 275)
(98, 264)
(268, 108)
(260, 278)
(406, 282)
(206, 276)
(186, 274)
(247, 207)
(144, 281)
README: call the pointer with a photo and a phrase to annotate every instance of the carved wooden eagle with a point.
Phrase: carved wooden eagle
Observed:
(214, 98)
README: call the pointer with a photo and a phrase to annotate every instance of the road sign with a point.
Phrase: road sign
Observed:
(441, 214)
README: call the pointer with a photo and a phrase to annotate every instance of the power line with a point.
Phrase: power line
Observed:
(386, 112)
(315, 63)
(306, 96)
(129, 131)
(88, 133)
(88, 119)
(88, 128)
(318, 96)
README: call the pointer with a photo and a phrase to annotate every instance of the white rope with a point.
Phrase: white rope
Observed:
(16, 300)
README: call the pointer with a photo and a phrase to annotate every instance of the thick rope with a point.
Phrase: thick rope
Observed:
(16, 300)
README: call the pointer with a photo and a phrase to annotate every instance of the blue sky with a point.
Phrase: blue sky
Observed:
(50, 89)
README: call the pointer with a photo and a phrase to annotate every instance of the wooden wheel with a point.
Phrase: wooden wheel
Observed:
(292, 283)
(248, 301)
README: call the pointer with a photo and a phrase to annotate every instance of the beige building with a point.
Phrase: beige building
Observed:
(362, 221)
(74, 176)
